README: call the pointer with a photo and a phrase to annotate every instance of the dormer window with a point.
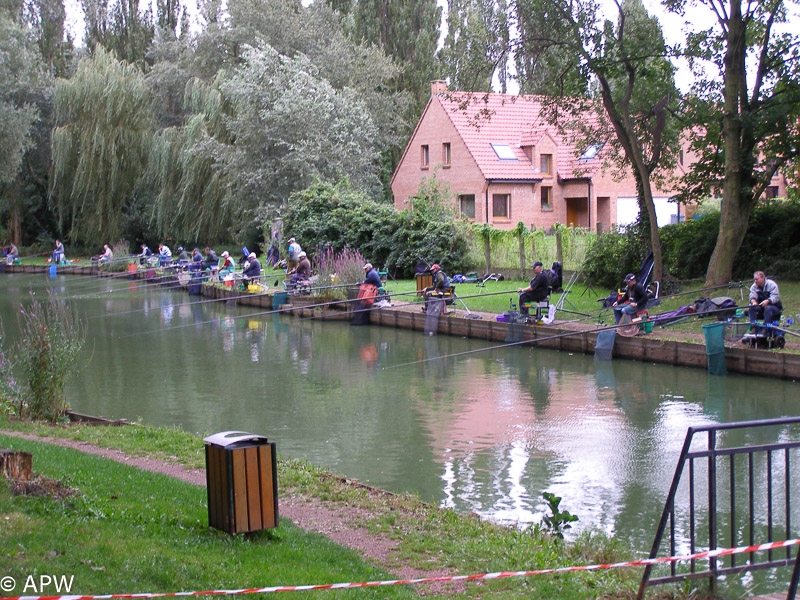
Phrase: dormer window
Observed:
(504, 152)
(546, 164)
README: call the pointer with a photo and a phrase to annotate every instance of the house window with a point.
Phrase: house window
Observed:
(504, 152)
(466, 206)
(547, 198)
(426, 157)
(446, 154)
(680, 157)
(546, 164)
(772, 192)
(500, 204)
(591, 152)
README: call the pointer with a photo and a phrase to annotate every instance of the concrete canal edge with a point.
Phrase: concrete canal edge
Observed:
(645, 348)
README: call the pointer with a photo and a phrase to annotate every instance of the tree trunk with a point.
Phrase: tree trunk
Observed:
(737, 204)
(15, 464)
(559, 248)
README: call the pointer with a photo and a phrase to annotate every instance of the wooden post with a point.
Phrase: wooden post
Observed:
(487, 252)
(521, 256)
(599, 228)
(559, 247)
(15, 464)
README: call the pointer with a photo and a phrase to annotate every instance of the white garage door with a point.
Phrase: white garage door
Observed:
(628, 211)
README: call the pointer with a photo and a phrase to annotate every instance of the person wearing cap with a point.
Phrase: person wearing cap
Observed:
(197, 260)
(183, 257)
(301, 272)
(537, 290)
(632, 301)
(252, 272)
(372, 276)
(441, 284)
(228, 267)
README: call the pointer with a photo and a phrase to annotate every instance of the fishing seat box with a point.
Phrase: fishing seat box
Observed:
(241, 482)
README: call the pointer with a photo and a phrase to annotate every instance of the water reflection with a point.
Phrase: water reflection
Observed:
(485, 432)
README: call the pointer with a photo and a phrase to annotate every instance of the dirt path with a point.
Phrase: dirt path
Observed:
(338, 523)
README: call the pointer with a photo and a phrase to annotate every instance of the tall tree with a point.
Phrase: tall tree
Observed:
(121, 26)
(102, 137)
(476, 45)
(747, 109)
(635, 89)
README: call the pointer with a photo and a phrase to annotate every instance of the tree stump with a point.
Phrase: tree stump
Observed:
(15, 464)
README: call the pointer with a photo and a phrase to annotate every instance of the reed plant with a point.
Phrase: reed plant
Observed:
(51, 338)
(339, 268)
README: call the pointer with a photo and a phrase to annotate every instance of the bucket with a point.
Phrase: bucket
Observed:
(53, 270)
(229, 283)
(648, 326)
(253, 288)
(278, 299)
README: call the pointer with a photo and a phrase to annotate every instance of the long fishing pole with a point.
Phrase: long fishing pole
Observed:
(258, 314)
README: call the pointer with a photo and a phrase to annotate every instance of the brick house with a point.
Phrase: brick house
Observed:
(505, 164)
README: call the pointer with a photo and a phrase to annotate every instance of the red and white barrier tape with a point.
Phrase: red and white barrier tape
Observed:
(499, 575)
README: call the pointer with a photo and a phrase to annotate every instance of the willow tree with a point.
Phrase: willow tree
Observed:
(100, 144)
(187, 167)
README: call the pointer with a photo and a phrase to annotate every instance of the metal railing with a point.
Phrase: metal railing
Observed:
(767, 502)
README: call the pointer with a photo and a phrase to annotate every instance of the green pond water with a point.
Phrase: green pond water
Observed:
(486, 432)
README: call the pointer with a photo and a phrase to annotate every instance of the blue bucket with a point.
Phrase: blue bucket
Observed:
(53, 270)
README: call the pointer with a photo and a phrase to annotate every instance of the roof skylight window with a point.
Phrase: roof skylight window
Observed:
(504, 152)
(591, 152)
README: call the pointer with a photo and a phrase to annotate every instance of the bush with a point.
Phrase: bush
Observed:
(326, 217)
(687, 247)
(347, 266)
(50, 341)
(612, 255)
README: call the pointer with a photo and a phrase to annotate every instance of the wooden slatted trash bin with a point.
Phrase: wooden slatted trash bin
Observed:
(241, 481)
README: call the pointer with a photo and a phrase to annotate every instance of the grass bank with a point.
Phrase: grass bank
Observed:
(127, 530)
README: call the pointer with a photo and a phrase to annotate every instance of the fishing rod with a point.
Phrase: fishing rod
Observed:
(259, 313)
(531, 341)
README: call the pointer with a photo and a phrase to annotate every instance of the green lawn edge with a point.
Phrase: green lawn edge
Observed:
(119, 504)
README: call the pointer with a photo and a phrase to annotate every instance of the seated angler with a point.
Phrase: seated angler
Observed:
(197, 261)
(107, 256)
(58, 254)
(372, 276)
(227, 266)
(252, 272)
(183, 257)
(210, 261)
(537, 290)
(765, 300)
(164, 255)
(12, 253)
(441, 285)
(302, 271)
(144, 255)
(632, 301)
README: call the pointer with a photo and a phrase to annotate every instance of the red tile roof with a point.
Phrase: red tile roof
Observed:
(485, 119)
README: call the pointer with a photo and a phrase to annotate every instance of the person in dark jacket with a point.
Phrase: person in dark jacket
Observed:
(765, 300)
(144, 255)
(302, 271)
(537, 290)
(252, 271)
(372, 276)
(210, 261)
(632, 301)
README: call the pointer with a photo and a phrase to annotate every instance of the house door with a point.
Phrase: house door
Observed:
(577, 212)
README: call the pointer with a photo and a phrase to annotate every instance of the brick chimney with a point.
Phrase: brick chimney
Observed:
(438, 87)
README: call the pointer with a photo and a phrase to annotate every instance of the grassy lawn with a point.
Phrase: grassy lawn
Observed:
(133, 531)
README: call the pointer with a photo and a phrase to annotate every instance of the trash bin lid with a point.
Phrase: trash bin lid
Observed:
(228, 438)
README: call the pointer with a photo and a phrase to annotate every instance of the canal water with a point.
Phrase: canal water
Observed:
(486, 432)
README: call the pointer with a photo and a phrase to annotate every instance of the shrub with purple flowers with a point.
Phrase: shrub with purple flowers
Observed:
(51, 337)
(347, 266)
